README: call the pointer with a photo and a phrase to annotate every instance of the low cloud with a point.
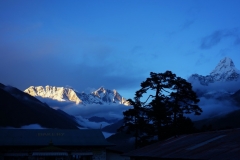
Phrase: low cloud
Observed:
(56, 104)
(106, 111)
(111, 111)
(82, 113)
(215, 98)
(88, 124)
(217, 36)
(30, 126)
(212, 108)
(229, 87)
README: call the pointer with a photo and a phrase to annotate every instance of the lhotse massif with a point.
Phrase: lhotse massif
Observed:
(100, 96)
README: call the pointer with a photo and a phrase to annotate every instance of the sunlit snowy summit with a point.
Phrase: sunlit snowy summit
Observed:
(100, 96)
(225, 71)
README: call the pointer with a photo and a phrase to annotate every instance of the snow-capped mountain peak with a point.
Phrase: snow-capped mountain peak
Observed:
(110, 96)
(100, 91)
(224, 71)
(100, 96)
(57, 93)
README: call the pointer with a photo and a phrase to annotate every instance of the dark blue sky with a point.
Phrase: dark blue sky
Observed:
(113, 43)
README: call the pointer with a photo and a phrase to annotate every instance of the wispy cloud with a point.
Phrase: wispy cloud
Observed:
(187, 24)
(217, 36)
(202, 60)
(136, 49)
(212, 40)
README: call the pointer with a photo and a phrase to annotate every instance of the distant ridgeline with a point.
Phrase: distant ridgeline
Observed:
(100, 96)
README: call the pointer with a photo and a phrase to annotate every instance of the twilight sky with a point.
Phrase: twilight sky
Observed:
(113, 43)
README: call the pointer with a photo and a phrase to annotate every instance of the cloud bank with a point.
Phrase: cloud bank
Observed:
(82, 113)
(212, 108)
(111, 111)
(229, 87)
(88, 124)
(215, 98)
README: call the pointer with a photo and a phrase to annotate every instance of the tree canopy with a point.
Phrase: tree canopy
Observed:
(159, 108)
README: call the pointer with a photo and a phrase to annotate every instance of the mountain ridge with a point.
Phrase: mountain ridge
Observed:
(100, 96)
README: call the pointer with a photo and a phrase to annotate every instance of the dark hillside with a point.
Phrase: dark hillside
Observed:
(228, 121)
(112, 128)
(18, 108)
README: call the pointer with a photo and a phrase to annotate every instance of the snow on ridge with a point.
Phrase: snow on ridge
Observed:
(100, 96)
(110, 96)
(56, 93)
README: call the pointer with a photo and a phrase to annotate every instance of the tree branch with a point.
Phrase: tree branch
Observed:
(148, 98)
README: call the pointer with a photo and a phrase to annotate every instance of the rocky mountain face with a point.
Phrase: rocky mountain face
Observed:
(225, 71)
(19, 109)
(100, 96)
(57, 93)
(110, 96)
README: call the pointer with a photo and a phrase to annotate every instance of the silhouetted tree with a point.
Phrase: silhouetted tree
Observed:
(137, 123)
(167, 99)
(183, 100)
